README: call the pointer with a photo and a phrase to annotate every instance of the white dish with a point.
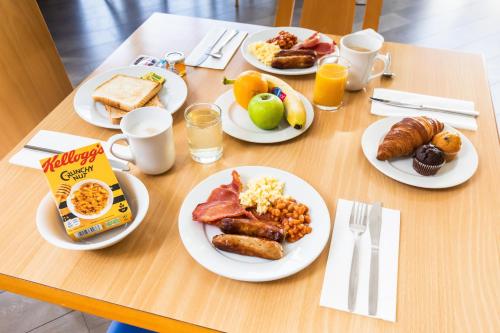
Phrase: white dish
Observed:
(263, 35)
(197, 236)
(451, 174)
(48, 220)
(237, 123)
(172, 95)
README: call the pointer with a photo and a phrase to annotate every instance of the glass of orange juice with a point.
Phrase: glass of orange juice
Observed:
(331, 79)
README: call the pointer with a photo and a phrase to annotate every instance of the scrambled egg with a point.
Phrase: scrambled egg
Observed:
(262, 192)
(263, 51)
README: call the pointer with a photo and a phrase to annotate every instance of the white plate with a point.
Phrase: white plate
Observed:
(263, 35)
(197, 236)
(451, 174)
(172, 95)
(48, 220)
(237, 123)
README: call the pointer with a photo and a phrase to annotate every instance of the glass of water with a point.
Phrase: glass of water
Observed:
(204, 132)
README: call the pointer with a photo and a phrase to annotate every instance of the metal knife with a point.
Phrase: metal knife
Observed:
(424, 107)
(375, 226)
(209, 49)
(114, 164)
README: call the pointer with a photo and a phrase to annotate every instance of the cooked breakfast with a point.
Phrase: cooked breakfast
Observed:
(90, 198)
(254, 218)
(122, 94)
(285, 51)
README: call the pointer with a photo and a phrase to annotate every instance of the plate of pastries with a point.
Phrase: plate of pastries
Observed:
(106, 98)
(420, 151)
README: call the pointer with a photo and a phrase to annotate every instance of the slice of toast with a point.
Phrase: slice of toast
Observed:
(116, 115)
(126, 92)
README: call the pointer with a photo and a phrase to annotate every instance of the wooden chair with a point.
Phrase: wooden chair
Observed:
(328, 16)
(32, 80)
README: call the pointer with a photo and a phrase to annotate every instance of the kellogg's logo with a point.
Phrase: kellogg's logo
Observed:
(71, 157)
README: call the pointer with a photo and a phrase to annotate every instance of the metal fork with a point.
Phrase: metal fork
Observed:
(218, 52)
(357, 224)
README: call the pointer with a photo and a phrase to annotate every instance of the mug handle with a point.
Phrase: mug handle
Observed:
(112, 140)
(385, 59)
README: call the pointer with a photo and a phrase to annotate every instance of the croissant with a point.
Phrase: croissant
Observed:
(407, 135)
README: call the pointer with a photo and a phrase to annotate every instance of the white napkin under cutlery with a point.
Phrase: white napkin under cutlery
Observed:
(58, 141)
(334, 293)
(227, 52)
(454, 120)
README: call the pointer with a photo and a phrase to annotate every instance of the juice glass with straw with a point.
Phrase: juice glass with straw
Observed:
(331, 79)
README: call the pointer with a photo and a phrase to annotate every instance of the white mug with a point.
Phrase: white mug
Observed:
(148, 131)
(362, 61)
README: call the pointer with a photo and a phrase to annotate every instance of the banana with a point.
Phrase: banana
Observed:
(295, 110)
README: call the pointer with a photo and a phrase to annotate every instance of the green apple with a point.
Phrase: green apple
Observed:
(266, 110)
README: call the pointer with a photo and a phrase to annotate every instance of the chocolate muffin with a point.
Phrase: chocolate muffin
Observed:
(427, 160)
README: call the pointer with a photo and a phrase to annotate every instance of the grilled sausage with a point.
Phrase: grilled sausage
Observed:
(249, 246)
(294, 61)
(253, 228)
(287, 53)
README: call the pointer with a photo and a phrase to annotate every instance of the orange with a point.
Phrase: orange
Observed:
(247, 85)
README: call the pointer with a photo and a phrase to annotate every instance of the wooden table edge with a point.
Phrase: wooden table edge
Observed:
(97, 307)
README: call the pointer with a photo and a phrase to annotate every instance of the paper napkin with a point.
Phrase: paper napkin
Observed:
(227, 52)
(57, 141)
(454, 120)
(336, 283)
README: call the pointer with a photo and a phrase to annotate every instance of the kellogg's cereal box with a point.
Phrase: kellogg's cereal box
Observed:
(86, 191)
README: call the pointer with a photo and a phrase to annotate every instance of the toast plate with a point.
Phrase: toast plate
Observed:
(50, 226)
(237, 123)
(263, 35)
(451, 174)
(172, 95)
(197, 236)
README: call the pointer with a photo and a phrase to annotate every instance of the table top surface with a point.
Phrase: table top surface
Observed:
(448, 261)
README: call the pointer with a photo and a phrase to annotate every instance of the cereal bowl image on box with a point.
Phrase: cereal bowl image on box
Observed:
(90, 199)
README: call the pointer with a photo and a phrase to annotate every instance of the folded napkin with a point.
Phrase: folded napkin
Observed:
(454, 120)
(58, 141)
(336, 283)
(227, 51)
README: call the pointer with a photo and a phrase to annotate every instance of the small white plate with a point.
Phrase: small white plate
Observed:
(197, 237)
(172, 95)
(263, 35)
(48, 220)
(237, 123)
(451, 174)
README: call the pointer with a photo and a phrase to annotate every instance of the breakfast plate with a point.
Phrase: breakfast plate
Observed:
(451, 174)
(237, 123)
(197, 236)
(49, 225)
(263, 35)
(172, 95)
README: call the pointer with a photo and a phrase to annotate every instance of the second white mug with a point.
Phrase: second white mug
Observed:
(149, 133)
(361, 49)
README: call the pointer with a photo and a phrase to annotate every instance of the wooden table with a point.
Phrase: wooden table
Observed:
(448, 269)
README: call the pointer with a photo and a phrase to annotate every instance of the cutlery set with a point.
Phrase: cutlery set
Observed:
(358, 223)
(213, 52)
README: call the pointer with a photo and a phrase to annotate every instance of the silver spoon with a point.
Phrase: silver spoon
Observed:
(388, 73)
